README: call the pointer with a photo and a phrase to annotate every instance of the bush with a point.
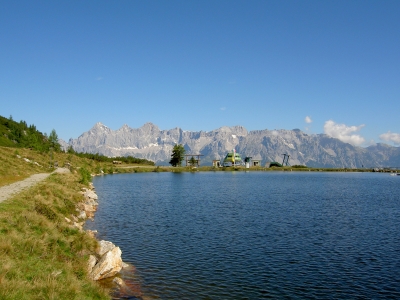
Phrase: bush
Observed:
(86, 177)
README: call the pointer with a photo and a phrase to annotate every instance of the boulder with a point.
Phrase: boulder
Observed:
(91, 202)
(109, 265)
(89, 207)
(82, 215)
(103, 247)
(118, 281)
(125, 265)
(91, 263)
(91, 195)
(78, 226)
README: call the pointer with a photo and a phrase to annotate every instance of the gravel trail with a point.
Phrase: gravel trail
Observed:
(16, 187)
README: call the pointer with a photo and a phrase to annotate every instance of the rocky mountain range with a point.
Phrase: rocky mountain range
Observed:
(314, 150)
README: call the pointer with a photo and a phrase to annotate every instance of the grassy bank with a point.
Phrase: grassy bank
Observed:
(41, 256)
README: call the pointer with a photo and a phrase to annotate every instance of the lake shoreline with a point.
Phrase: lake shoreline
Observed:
(242, 230)
(140, 169)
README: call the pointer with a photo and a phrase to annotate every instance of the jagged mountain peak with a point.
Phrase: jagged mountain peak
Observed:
(150, 127)
(99, 126)
(237, 130)
(125, 127)
(315, 150)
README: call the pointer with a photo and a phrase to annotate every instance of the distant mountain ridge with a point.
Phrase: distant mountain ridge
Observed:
(314, 150)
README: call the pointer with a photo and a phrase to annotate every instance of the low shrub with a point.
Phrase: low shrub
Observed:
(86, 177)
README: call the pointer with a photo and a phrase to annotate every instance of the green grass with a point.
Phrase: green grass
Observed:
(41, 255)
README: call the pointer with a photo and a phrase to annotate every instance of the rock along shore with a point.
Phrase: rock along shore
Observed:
(106, 261)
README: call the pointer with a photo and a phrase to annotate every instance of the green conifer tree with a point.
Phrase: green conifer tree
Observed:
(177, 156)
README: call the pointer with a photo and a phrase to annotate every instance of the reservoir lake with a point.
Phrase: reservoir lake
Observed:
(254, 235)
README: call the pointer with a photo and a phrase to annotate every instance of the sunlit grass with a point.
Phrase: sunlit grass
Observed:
(41, 255)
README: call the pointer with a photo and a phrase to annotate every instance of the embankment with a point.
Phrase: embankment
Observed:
(43, 256)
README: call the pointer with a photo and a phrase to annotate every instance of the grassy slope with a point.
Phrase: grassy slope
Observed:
(13, 169)
(41, 256)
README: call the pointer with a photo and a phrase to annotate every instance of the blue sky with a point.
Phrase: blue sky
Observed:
(320, 66)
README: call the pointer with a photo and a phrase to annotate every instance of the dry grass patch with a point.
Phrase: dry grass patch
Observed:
(13, 168)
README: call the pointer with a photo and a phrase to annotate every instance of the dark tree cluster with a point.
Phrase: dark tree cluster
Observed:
(19, 134)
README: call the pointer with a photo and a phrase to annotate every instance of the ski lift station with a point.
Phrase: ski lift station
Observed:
(233, 159)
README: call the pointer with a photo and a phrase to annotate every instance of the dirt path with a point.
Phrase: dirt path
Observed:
(16, 187)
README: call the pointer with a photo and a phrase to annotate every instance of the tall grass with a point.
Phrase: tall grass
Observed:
(41, 255)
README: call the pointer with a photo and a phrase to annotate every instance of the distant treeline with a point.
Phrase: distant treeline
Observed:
(19, 134)
(102, 158)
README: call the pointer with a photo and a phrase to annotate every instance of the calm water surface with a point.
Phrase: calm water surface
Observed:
(254, 235)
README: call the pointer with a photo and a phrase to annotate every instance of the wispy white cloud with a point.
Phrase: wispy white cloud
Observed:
(99, 78)
(390, 137)
(344, 132)
(308, 120)
(222, 108)
(371, 142)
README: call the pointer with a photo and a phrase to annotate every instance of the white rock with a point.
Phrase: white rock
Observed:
(91, 202)
(109, 265)
(82, 215)
(89, 208)
(118, 281)
(103, 247)
(78, 225)
(91, 195)
(91, 263)
(56, 273)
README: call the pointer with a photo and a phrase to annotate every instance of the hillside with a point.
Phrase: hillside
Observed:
(20, 135)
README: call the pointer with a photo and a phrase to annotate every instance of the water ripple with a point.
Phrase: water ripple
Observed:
(254, 235)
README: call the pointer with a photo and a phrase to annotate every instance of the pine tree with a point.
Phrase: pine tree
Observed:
(178, 155)
(193, 161)
(53, 140)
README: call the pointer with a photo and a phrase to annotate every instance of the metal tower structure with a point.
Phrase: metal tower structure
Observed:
(285, 159)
